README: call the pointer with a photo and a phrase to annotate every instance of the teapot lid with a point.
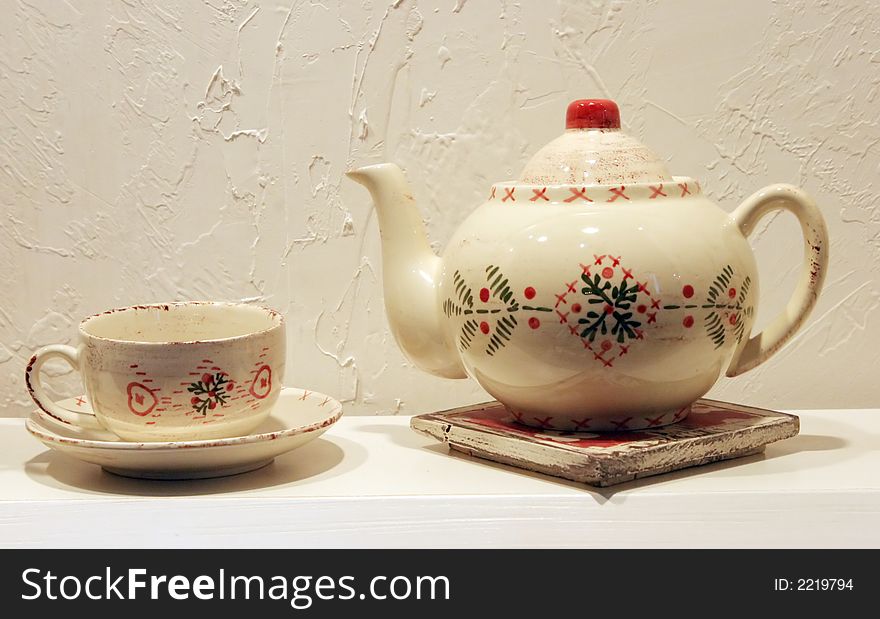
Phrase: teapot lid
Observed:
(594, 151)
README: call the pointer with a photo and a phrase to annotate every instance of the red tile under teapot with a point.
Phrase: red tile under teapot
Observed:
(712, 431)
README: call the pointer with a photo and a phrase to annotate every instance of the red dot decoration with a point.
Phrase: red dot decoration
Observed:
(529, 292)
(607, 345)
(607, 272)
(688, 322)
(534, 323)
(641, 309)
(688, 291)
(484, 295)
(731, 293)
(484, 327)
(576, 308)
(732, 319)
(608, 309)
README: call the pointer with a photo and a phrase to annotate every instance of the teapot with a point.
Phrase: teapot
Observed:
(595, 293)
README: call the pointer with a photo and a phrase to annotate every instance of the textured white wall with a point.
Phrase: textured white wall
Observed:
(154, 150)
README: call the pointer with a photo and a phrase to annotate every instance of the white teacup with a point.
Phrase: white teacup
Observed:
(173, 371)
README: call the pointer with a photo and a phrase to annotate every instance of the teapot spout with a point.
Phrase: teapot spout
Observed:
(410, 273)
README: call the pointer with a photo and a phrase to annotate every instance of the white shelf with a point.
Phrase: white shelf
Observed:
(373, 482)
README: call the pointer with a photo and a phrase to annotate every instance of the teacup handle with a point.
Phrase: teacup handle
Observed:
(815, 264)
(38, 393)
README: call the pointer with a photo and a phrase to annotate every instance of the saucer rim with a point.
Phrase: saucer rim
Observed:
(36, 429)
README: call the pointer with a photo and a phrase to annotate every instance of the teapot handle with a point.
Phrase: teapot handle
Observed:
(815, 264)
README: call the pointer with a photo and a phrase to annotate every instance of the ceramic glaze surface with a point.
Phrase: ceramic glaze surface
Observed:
(590, 306)
(593, 150)
(180, 371)
(300, 417)
(580, 316)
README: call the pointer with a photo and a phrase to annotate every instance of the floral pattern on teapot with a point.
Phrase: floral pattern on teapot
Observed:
(606, 317)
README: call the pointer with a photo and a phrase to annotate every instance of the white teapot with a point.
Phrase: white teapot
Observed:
(597, 292)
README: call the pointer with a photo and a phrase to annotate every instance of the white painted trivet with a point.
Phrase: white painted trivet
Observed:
(713, 431)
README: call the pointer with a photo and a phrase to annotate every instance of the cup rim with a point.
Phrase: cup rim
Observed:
(270, 311)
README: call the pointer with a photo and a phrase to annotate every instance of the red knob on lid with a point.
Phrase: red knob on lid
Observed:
(592, 114)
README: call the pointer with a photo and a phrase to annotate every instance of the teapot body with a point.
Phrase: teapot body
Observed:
(607, 307)
(596, 293)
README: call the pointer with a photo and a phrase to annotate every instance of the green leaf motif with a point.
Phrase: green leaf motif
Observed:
(620, 299)
(211, 393)
(461, 304)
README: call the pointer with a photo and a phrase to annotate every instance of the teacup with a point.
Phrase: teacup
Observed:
(172, 371)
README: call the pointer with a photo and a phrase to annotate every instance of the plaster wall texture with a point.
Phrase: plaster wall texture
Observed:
(168, 150)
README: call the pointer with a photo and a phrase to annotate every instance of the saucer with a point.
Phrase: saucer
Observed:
(299, 417)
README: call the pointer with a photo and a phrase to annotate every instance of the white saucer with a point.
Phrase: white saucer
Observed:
(299, 417)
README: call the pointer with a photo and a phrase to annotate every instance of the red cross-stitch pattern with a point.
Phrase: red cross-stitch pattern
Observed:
(578, 194)
(540, 194)
(618, 193)
(608, 352)
(574, 195)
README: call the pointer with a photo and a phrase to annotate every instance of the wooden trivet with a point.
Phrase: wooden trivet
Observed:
(713, 431)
